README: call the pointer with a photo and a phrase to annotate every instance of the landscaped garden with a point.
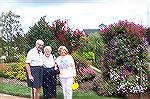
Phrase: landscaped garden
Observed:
(109, 63)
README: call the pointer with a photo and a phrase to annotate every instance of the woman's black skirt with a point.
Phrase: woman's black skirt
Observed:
(49, 83)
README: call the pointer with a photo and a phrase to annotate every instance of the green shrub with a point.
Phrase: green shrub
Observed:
(88, 55)
(21, 57)
(2, 73)
(104, 87)
(16, 71)
(10, 59)
(92, 48)
(21, 75)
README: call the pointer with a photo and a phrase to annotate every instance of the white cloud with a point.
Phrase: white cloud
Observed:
(80, 15)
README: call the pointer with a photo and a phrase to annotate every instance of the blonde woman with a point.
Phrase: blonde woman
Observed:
(67, 69)
(49, 74)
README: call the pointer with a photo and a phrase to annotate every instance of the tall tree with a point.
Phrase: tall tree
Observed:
(54, 35)
(10, 28)
(65, 36)
(39, 30)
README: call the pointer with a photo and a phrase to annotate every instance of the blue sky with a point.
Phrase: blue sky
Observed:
(81, 14)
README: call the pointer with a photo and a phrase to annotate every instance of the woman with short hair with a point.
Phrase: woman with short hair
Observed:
(49, 74)
(67, 69)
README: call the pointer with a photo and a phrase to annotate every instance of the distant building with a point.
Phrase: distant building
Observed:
(89, 31)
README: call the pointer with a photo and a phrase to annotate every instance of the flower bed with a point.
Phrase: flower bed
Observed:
(125, 57)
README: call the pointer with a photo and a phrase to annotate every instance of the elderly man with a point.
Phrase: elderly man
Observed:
(34, 68)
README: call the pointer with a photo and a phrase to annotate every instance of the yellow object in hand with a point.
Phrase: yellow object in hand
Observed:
(75, 85)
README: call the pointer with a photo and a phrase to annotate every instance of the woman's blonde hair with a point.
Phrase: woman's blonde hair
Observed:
(49, 48)
(62, 47)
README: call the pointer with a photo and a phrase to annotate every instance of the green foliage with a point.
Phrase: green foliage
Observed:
(10, 28)
(104, 87)
(2, 73)
(89, 55)
(16, 71)
(10, 59)
(78, 57)
(19, 43)
(17, 58)
(40, 30)
(19, 90)
(22, 58)
(92, 48)
(54, 35)
(2, 48)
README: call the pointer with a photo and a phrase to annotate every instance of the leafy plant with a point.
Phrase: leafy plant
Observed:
(104, 87)
(56, 34)
(126, 53)
(86, 74)
(16, 71)
(11, 27)
(89, 55)
(93, 47)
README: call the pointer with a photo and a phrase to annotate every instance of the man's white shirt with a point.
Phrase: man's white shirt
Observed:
(35, 58)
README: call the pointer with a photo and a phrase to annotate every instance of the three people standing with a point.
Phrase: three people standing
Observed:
(41, 71)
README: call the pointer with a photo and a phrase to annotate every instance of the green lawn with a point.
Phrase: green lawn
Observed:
(18, 90)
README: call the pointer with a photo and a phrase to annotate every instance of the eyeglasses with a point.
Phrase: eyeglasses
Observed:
(40, 44)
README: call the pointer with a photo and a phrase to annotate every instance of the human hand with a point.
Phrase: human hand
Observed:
(31, 78)
(55, 66)
(73, 80)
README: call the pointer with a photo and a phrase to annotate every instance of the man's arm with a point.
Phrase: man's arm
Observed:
(29, 72)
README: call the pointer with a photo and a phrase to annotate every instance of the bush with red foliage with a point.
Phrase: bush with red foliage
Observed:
(65, 36)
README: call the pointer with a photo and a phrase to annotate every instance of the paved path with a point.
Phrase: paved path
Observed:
(5, 96)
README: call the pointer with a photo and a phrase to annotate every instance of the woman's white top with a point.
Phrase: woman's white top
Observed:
(66, 65)
(34, 57)
(49, 61)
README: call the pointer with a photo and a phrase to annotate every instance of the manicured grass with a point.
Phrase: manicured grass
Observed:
(18, 90)
(14, 89)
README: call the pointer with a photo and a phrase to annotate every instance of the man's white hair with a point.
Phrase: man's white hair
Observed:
(39, 42)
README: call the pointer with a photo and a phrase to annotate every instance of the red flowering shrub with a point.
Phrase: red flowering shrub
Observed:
(85, 74)
(126, 55)
(131, 29)
(65, 36)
